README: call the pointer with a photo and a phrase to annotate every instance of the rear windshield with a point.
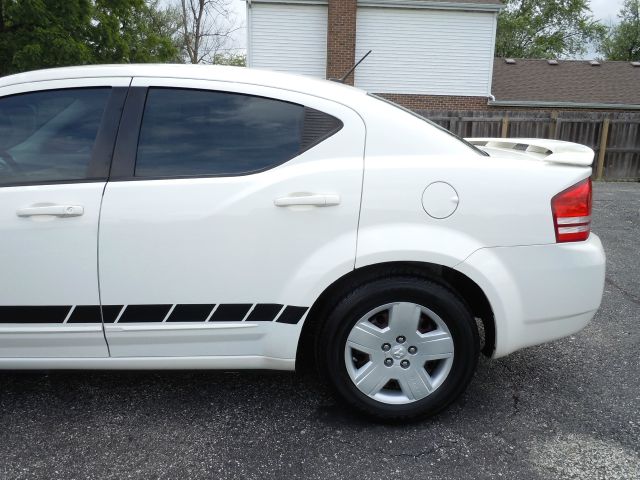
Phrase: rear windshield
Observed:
(439, 127)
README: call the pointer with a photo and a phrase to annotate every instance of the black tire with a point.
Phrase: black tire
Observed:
(439, 298)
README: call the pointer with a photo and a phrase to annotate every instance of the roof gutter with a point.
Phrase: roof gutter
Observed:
(483, 7)
(293, 2)
(592, 106)
(415, 4)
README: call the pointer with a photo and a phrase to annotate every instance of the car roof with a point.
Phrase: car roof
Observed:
(286, 81)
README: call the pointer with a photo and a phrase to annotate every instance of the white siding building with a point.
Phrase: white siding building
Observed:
(424, 52)
(288, 37)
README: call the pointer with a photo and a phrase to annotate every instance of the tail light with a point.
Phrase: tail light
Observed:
(572, 212)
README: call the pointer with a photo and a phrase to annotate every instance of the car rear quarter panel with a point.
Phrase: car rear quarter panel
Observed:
(501, 203)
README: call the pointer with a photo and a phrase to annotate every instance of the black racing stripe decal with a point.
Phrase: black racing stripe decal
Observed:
(190, 313)
(264, 312)
(230, 313)
(34, 314)
(85, 314)
(144, 313)
(292, 315)
(111, 312)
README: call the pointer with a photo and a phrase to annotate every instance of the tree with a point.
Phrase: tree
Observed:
(38, 33)
(232, 59)
(623, 40)
(50, 33)
(546, 29)
(134, 31)
(207, 27)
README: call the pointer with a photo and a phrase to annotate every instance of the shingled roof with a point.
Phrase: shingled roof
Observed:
(526, 82)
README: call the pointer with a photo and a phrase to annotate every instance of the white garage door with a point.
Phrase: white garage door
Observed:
(288, 38)
(422, 51)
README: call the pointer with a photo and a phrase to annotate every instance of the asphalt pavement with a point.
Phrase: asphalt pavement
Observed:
(569, 409)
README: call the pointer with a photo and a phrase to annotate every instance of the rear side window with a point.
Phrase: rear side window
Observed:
(202, 133)
(48, 136)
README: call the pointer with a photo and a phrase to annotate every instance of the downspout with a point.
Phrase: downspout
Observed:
(249, 30)
(492, 57)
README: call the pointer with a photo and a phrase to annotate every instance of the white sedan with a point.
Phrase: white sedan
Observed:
(186, 217)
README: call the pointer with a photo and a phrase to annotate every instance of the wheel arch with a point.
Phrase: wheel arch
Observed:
(466, 288)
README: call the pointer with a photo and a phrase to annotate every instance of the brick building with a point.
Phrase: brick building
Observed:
(429, 55)
(426, 54)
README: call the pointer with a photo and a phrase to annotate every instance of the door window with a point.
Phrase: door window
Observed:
(48, 136)
(201, 133)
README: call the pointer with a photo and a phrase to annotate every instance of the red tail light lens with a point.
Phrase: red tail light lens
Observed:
(572, 212)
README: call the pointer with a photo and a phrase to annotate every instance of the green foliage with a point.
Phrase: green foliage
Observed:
(38, 33)
(623, 40)
(233, 59)
(48, 33)
(133, 31)
(546, 29)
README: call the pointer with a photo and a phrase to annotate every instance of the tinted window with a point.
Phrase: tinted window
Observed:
(198, 132)
(48, 136)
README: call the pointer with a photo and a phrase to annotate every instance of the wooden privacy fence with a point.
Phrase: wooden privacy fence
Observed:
(615, 137)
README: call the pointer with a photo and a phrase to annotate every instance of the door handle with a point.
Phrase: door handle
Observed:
(317, 200)
(53, 210)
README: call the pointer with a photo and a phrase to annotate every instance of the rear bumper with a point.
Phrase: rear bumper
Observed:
(539, 293)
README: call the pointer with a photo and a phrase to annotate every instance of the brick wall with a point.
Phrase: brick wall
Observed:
(341, 38)
(438, 102)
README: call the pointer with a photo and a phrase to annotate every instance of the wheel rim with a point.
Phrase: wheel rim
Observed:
(399, 353)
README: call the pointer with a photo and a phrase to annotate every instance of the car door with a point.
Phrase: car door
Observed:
(235, 202)
(56, 141)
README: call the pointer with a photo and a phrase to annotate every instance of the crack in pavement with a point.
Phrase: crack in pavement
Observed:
(415, 456)
(516, 400)
(624, 292)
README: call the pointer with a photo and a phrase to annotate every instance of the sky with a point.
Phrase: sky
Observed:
(606, 10)
(241, 12)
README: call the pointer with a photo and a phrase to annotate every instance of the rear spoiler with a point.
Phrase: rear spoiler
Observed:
(554, 151)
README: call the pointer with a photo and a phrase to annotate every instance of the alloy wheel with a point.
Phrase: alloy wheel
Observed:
(399, 353)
